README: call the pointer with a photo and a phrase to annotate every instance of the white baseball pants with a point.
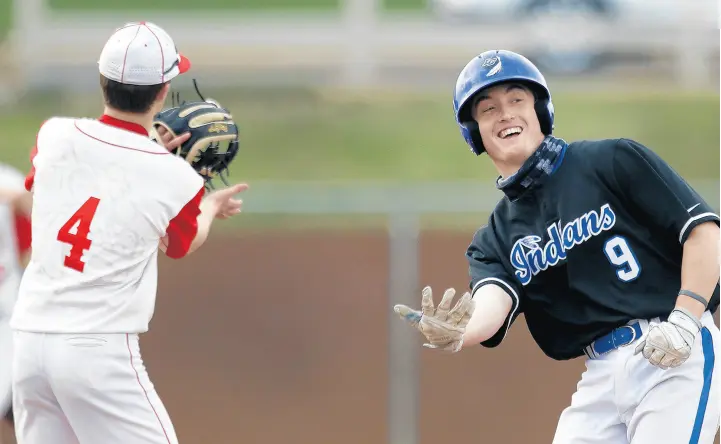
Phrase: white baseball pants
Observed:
(87, 389)
(623, 399)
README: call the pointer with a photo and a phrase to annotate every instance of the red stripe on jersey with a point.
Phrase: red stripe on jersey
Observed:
(183, 228)
(23, 232)
(123, 124)
(116, 145)
(30, 178)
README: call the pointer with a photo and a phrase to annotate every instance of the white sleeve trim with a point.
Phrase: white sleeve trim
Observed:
(692, 220)
(511, 292)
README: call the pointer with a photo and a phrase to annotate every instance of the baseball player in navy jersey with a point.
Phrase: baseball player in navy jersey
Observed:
(106, 199)
(607, 251)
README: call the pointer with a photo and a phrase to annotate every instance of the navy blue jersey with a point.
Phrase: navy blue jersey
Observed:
(597, 244)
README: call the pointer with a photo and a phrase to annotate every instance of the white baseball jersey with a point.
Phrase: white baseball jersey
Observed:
(104, 194)
(14, 240)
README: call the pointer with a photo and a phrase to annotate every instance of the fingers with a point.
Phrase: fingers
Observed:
(427, 307)
(232, 211)
(640, 347)
(226, 205)
(445, 306)
(171, 142)
(668, 361)
(229, 192)
(238, 188)
(655, 356)
(466, 318)
(232, 204)
(408, 314)
(225, 214)
(460, 309)
(166, 138)
(452, 347)
(231, 208)
(225, 195)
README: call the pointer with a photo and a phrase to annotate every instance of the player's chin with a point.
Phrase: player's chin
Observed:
(512, 147)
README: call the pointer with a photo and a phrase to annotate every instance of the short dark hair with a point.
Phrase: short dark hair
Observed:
(129, 98)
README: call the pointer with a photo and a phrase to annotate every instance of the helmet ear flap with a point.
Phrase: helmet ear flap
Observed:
(544, 111)
(472, 135)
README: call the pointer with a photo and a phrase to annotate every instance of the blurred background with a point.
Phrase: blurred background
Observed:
(362, 191)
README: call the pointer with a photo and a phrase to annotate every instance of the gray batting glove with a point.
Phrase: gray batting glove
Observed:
(443, 327)
(669, 343)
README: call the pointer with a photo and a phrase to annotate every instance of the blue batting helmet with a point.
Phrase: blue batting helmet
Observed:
(491, 68)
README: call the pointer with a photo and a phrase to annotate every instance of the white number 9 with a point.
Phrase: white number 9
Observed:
(619, 254)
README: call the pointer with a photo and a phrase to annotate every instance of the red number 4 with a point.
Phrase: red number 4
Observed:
(79, 241)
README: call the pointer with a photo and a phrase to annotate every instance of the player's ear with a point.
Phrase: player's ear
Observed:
(163, 93)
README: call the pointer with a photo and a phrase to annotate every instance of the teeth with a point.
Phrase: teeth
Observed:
(509, 131)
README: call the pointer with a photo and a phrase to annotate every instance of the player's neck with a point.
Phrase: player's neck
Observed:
(144, 120)
(506, 169)
(510, 166)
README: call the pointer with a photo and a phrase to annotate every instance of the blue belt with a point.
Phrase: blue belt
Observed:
(618, 337)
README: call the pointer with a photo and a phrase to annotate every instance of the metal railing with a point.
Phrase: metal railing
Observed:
(356, 46)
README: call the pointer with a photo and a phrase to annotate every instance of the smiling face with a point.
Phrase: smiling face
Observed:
(508, 125)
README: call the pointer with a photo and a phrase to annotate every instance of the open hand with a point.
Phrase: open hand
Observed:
(224, 202)
(443, 326)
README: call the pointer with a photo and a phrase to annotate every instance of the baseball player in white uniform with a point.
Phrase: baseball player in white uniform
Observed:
(106, 198)
(14, 250)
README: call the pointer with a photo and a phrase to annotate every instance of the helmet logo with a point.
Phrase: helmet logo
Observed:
(491, 62)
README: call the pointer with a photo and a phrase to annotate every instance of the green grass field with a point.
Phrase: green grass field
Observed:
(307, 136)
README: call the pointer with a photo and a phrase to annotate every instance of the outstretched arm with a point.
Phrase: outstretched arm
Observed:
(481, 316)
(190, 228)
(468, 323)
(492, 308)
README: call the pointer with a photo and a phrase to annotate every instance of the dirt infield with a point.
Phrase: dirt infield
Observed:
(283, 339)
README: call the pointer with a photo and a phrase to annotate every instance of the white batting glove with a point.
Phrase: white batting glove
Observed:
(443, 327)
(669, 343)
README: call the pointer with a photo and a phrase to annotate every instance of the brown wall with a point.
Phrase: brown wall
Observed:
(268, 338)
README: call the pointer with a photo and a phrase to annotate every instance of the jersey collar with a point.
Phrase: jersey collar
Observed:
(535, 170)
(122, 124)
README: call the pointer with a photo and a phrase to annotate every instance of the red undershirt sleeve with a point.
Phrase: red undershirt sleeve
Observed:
(183, 228)
(30, 178)
(23, 232)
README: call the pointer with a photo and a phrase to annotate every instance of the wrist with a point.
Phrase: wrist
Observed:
(463, 343)
(692, 303)
(686, 320)
(209, 207)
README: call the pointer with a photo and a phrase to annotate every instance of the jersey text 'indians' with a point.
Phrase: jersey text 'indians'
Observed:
(530, 258)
